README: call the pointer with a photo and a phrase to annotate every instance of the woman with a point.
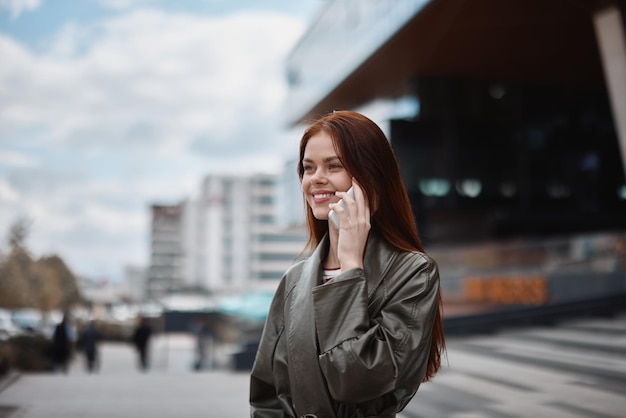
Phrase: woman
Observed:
(356, 327)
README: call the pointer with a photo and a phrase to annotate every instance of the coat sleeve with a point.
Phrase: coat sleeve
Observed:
(264, 401)
(363, 358)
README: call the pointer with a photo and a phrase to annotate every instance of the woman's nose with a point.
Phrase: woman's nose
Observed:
(318, 176)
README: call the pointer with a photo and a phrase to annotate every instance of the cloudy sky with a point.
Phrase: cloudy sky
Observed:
(108, 106)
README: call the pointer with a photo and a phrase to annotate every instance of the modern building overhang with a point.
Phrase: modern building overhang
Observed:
(514, 41)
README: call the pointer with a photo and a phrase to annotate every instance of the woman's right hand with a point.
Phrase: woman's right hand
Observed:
(354, 228)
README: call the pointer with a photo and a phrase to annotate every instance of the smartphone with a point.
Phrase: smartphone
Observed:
(333, 217)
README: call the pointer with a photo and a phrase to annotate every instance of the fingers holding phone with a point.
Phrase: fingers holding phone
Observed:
(353, 218)
(352, 206)
(333, 217)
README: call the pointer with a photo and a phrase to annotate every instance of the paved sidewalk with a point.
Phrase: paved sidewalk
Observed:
(571, 370)
(170, 389)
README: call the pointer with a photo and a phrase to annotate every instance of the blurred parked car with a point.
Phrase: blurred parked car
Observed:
(8, 328)
(29, 320)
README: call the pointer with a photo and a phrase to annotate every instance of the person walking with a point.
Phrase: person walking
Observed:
(204, 343)
(89, 340)
(355, 328)
(141, 340)
(62, 344)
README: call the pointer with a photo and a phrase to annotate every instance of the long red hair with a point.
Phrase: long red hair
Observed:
(367, 155)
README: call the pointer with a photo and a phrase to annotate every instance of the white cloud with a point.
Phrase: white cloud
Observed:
(124, 4)
(8, 195)
(128, 111)
(17, 159)
(170, 79)
(17, 7)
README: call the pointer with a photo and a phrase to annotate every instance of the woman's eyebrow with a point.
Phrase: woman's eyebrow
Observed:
(325, 160)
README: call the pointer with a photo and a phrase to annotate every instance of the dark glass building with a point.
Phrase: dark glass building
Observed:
(516, 128)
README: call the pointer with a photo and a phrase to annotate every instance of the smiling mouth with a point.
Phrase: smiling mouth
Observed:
(323, 196)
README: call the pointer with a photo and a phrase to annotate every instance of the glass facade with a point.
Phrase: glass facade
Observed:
(488, 161)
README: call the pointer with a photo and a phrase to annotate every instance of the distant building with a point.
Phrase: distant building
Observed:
(166, 255)
(290, 206)
(232, 238)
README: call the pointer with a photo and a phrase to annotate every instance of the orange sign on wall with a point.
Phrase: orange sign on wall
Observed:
(506, 290)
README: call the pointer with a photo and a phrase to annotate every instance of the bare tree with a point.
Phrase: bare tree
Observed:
(58, 285)
(44, 284)
(16, 290)
(18, 232)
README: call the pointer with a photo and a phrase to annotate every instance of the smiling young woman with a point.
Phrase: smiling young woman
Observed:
(355, 328)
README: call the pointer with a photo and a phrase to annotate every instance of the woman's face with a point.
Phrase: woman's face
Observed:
(323, 175)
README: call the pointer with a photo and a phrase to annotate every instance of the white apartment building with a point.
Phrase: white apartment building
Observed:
(234, 236)
(166, 256)
(290, 204)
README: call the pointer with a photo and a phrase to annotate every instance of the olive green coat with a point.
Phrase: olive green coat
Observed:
(357, 346)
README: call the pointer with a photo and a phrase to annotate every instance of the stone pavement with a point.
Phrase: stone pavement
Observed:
(171, 388)
(574, 369)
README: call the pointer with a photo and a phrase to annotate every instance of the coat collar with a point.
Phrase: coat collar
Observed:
(378, 257)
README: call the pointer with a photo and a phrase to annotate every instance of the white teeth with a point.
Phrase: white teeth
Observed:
(323, 196)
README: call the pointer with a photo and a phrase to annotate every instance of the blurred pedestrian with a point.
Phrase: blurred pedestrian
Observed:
(88, 341)
(63, 338)
(204, 342)
(355, 328)
(141, 340)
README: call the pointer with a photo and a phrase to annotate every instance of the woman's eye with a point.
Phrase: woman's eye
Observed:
(335, 166)
(308, 168)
